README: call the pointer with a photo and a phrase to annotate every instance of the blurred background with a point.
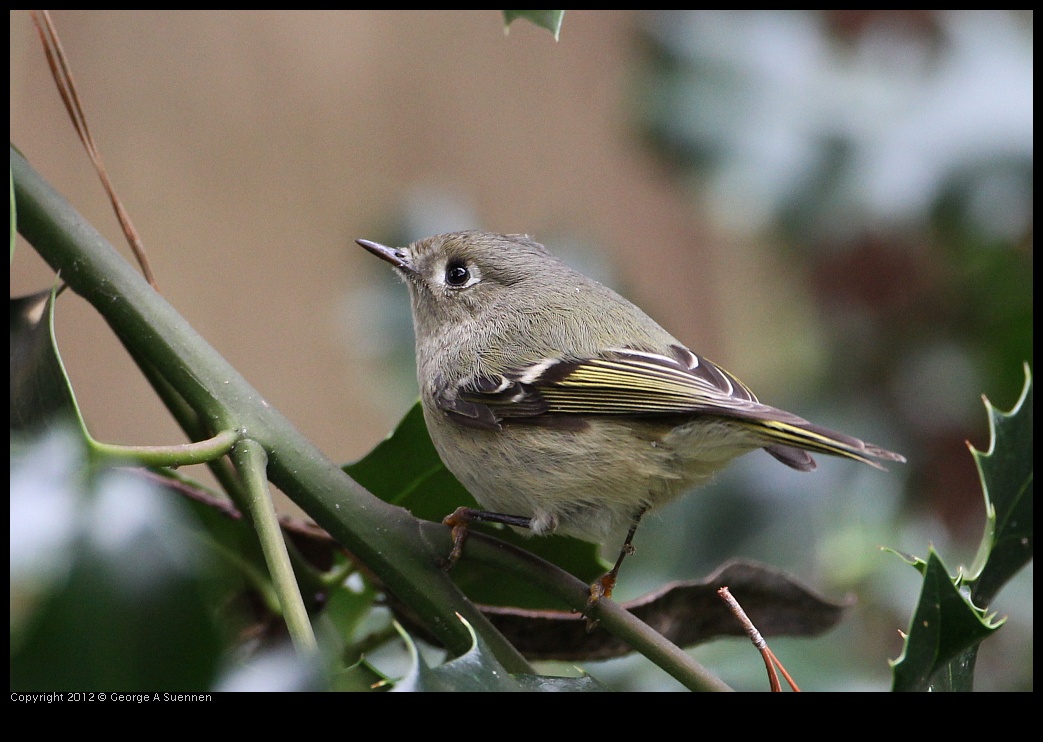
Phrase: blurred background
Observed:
(834, 205)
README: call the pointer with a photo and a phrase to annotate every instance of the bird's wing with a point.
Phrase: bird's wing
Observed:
(633, 383)
(616, 382)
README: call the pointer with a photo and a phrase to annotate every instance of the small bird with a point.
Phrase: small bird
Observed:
(564, 408)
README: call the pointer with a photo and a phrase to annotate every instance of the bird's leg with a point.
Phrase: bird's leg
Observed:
(460, 521)
(602, 587)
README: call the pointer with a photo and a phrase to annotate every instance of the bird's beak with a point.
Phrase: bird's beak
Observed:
(397, 256)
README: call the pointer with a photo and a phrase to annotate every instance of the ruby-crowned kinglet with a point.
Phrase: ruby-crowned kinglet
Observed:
(561, 406)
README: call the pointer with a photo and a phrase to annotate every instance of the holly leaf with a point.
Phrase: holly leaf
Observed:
(944, 628)
(1006, 472)
(685, 613)
(548, 19)
(942, 644)
(479, 670)
(39, 392)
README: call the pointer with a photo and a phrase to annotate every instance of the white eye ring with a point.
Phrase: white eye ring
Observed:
(458, 275)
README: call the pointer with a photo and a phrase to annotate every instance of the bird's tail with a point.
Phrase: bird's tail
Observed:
(791, 439)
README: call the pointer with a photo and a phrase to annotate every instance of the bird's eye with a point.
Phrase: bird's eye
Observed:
(456, 274)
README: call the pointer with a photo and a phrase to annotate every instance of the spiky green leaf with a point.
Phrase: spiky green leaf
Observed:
(39, 392)
(548, 19)
(945, 626)
(1006, 471)
(478, 670)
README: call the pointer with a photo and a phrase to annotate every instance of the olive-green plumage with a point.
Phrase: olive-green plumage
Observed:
(551, 397)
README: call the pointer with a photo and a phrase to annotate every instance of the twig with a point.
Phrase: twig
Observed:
(62, 74)
(770, 660)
